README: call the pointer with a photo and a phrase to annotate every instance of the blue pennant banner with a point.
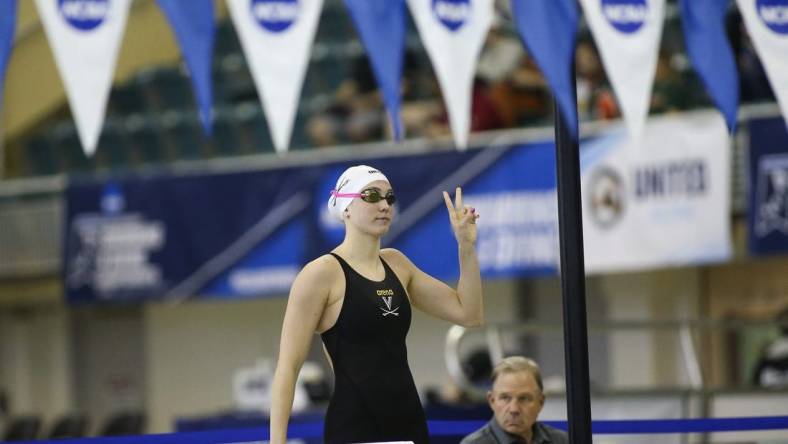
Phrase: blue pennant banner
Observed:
(7, 21)
(711, 53)
(193, 23)
(381, 26)
(538, 22)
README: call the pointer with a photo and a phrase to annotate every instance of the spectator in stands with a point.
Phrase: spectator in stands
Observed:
(523, 97)
(516, 399)
(595, 99)
(753, 82)
(670, 89)
(484, 114)
(356, 113)
(771, 371)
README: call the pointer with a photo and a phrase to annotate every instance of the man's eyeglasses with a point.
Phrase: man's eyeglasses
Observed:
(371, 195)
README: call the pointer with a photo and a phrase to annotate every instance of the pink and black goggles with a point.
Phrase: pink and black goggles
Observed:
(371, 195)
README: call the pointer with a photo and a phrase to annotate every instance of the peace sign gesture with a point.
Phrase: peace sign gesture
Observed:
(462, 217)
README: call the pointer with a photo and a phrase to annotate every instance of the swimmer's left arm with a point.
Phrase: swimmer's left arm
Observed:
(462, 306)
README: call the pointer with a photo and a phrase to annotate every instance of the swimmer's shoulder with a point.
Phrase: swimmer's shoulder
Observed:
(322, 272)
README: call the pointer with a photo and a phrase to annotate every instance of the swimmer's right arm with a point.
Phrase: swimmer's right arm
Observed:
(305, 305)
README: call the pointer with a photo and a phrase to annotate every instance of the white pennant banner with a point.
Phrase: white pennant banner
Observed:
(453, 32)
(627, 33)
(767, 24)
(276, 37)
(85, 37)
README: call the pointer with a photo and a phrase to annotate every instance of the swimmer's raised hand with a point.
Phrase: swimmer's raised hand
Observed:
(462, 218)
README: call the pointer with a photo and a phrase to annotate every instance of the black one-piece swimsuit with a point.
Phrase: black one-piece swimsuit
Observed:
(374, 396)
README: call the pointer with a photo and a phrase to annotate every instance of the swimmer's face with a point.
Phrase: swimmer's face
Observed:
(516, 400)
(372, 213)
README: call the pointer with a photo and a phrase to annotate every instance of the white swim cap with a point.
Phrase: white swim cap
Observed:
(352, 181)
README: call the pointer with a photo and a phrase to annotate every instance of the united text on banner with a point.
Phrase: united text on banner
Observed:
(85, 36)
(663, 201)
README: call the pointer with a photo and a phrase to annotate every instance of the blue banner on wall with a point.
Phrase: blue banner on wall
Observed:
(179, 237)
(248, 234)
(768, 210)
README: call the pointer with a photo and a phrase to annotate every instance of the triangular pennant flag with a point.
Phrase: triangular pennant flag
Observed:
(85, 37)
(381, 26)
(453, 32)
(7, 24)
(276, 37)
(548, 29)
(711, 54)
(627, 33)
(194, 27)
(767, 24)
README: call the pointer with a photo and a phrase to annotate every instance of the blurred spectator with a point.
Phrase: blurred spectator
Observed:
(753, 82)
(500, 56)
(517, 90)
(771, 371)
(484, 114)
(595, 99)
(355, 113)
(670, 89)
(523, 97)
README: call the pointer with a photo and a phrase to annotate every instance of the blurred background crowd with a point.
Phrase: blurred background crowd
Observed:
(152, 118)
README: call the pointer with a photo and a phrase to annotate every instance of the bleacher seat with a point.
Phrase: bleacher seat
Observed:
(124, 424)
(226, 39)
(165, 88)
(252, 128)
(145, 140)
(335, 23)
(236, 79)
(41, 157)
(66, 140)
(126, 99)
(183, 134)
(69, 426)
(113, 147)
(22, 428)
(225, 140)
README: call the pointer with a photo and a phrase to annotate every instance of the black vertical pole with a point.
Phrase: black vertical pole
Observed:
(573, 289)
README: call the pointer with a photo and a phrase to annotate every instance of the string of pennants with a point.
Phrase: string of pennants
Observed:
(277, 35)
